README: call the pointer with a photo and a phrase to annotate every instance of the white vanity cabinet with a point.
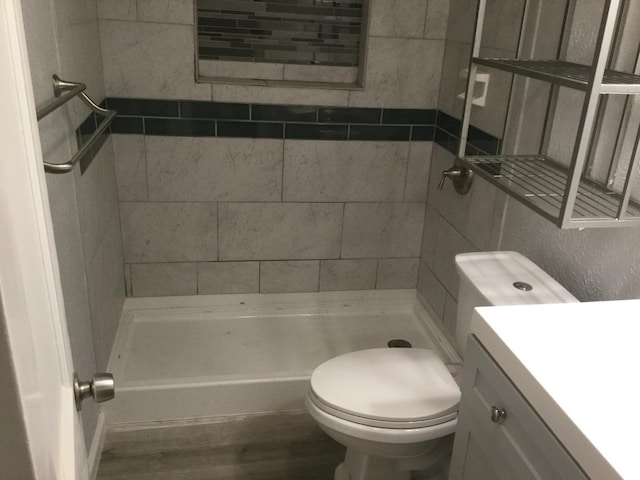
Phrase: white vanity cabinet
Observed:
(499, 436)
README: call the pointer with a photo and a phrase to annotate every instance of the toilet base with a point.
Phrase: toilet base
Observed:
(362, 466)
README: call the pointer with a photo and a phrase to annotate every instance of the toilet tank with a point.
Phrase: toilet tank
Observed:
(501, 278)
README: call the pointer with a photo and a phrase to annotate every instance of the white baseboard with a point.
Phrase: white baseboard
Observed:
(96, 447)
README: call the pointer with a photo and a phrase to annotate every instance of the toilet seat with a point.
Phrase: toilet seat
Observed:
(400, 388)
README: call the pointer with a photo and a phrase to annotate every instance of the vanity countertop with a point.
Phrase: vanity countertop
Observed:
(578, 365)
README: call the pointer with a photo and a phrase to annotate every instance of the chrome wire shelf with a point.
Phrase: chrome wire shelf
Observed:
(570, 75)
(540, 183)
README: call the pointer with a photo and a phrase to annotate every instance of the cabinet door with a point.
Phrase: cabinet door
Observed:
(518, 446)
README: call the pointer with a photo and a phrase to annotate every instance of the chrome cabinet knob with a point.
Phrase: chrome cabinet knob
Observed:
(498, 415)
(101, 388)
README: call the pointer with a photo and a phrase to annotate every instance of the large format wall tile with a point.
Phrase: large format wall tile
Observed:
(397, 272)
(210, 169)
(418, 171)
(169, 232)
(228, 277)
(401, 73)
(286, 277)
(348, 274)
(398, 18)
(105, 274)
(161, 279)
(150, 60)
(327, 171)
(279, 231)
(437, 18)
(117, 10)
(131, 167)
(379, 230)
(166, 11)
(97, 197)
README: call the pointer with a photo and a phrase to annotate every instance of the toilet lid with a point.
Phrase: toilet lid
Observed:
(389, 384)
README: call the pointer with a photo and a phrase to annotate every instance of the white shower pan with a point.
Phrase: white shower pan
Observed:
(203, 356)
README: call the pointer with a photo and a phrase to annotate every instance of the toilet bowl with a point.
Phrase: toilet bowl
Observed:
(391, 408)
(396, 408)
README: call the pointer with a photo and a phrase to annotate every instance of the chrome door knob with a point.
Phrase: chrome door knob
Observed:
(101, 388)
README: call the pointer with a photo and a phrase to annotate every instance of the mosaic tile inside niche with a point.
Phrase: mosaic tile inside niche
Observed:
(307, 32)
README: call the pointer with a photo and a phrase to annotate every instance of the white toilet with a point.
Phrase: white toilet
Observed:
(395, 408)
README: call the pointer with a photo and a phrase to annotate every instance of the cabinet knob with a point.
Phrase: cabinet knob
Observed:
(498, 415)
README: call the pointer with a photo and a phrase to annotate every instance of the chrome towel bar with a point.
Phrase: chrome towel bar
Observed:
(63, 92)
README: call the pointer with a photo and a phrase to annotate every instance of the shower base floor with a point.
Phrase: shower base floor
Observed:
(206, 356)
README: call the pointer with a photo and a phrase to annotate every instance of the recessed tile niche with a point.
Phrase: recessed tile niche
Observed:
(315, 43)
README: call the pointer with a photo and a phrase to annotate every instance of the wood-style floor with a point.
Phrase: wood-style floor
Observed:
(274, 446)
(283, 446)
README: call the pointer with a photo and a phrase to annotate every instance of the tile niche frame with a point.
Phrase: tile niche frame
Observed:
(244, 72)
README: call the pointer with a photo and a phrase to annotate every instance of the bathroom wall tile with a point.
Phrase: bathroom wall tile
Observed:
(410, 116)
(429, 235)
(292, 276)
(131, 167)
(221, 110)
(228, 277)
(461, 20)
(432, 290)
(473, 214)
(347, 274)
(401, 73)
(437, 19)
(382, 230)
(250, 129)
(456, 61)
(447, 202)
(106, 292)
(282, 95)
(397, 272)
(117, 10)
(379, 132)
(127, 279)
(423, 133)
(284, 113)
(97, 198)
(349, 115)
(328, 171)
(450, 315)
(397, 18)
(161, 279)
(127, 125)
(152, 60)
(166, 11)
(274, 231)
(214, 169)
(226, 69)
(316, 131)
(179, 128)
(169, 232)
(448, 244)
(479, 226)
(418, 171)
(140, 107)
(311, 73)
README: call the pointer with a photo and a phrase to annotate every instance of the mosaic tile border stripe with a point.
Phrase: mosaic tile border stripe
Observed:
(302, 122)
(198, 118)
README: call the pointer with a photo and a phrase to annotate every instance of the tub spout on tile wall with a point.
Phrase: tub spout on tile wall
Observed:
(461, 176)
